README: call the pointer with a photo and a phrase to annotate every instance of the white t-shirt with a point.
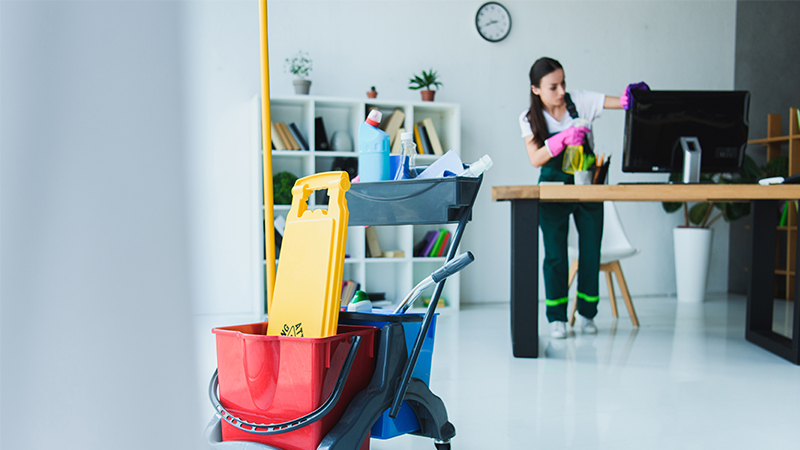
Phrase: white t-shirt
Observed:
(589, 105)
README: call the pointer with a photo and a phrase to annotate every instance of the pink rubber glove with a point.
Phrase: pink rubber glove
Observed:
(571, 136)
(625, 98)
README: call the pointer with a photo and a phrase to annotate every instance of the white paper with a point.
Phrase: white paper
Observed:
(450, 162)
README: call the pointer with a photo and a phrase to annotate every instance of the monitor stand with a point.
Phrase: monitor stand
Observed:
(691, 159)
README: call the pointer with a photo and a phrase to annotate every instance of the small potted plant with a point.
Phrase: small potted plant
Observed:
(425, 82)
(372, 93)
(300, 66)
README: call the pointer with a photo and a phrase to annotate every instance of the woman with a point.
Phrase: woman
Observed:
(547, 127)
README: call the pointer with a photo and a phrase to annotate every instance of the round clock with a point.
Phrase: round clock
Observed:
(493, 21)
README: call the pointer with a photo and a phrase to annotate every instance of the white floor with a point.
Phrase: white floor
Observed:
(686, 379)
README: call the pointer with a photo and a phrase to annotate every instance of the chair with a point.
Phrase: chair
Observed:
(615, 246)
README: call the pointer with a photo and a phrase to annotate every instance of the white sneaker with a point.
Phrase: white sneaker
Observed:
(588, 326)
(558, 330)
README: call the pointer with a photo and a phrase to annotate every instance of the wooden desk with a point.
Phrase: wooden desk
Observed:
(760, 300)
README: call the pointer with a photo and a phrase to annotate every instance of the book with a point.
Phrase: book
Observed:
(423, 137)
(438, 244)
(443, 248)
(286, 142)
(429, 245)
(436, 145)
(298, 136)
(417, 140)
(320, 138)
(396, 148)
(349, 288)
(393, 124)
(422, 243)
(373, 246)
(291, 144)
(276, 137)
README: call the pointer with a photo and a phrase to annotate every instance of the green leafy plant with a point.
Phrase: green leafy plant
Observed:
(426, 80)
(282, 184)
(701, 214)
(299, 65)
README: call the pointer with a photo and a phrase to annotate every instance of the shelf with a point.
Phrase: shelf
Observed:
(784, 272)
(394, 276)
(772, 140)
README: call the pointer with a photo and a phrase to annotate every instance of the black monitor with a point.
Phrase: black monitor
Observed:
(662, 126)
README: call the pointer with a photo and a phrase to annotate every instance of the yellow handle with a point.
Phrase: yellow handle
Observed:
(337, 183)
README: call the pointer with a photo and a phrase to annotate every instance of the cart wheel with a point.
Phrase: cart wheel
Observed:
(442, 446)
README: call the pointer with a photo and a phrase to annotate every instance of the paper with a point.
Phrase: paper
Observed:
(450, 162)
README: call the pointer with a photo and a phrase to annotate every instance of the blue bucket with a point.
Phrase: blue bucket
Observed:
(406, 421)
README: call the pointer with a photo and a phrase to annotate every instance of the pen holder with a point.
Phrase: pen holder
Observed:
(583, 177)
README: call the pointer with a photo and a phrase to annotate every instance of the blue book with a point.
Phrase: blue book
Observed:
(298, 136)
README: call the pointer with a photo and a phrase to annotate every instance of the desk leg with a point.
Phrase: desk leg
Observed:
(525, 278)
(760, 295)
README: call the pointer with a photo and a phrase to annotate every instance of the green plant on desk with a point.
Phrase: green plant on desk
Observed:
(700, 214)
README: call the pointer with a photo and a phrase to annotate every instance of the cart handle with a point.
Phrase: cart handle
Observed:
(285, 427)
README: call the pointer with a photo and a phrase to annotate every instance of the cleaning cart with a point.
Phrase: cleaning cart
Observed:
(396, 399)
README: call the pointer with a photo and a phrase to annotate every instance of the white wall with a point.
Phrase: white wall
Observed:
(603, 46)
(96, 344)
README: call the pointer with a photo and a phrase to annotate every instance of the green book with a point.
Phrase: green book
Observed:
(438, 244)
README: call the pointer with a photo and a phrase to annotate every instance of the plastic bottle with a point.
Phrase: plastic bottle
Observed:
(408, 152)
(478, 167)
(373, 150)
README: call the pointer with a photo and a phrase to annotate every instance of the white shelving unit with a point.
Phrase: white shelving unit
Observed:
(393, 276)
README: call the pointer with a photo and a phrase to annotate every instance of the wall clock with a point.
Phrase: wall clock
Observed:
(493, 21)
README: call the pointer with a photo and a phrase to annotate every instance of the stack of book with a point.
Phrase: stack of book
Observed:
(427, 139)
(434, 244)
(287, 137)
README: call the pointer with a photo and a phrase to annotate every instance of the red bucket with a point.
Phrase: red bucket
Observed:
(275, 379)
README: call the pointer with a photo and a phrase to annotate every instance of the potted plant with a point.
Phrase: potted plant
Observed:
(300, 66)
(425, 82)
(692, 240)
(372, 93)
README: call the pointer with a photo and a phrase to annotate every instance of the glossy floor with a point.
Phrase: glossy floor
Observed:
(686, 379)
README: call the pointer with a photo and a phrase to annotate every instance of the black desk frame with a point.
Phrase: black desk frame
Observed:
(760, 299)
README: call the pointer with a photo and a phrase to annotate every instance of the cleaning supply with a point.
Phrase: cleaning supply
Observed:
(478, 167)
(574, 158)
(408, 152)
(373, 150)
(360, 302)
(306, 297)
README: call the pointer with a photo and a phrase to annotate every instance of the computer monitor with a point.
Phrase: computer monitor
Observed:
(709, 126)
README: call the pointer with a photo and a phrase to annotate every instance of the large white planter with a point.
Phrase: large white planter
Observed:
(692, 255)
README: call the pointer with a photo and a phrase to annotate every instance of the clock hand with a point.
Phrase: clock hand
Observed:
(490, 23)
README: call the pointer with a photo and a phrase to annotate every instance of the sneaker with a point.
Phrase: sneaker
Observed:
(588, 326)
(558, 330)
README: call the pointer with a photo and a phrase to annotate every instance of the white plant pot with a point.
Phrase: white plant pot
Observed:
(692, 256)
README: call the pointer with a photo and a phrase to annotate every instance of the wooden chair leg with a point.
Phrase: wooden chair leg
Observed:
(623, 286)
(611, 297)
(573, 269)
(572, 310)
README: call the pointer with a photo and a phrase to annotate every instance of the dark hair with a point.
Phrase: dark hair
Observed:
(539, 69)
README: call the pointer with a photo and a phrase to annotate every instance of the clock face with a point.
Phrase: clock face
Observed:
(493, 21)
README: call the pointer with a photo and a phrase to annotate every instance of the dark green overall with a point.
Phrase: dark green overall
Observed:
(554, 220)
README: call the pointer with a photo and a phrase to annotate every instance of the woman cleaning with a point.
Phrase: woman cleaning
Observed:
(548, 128)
